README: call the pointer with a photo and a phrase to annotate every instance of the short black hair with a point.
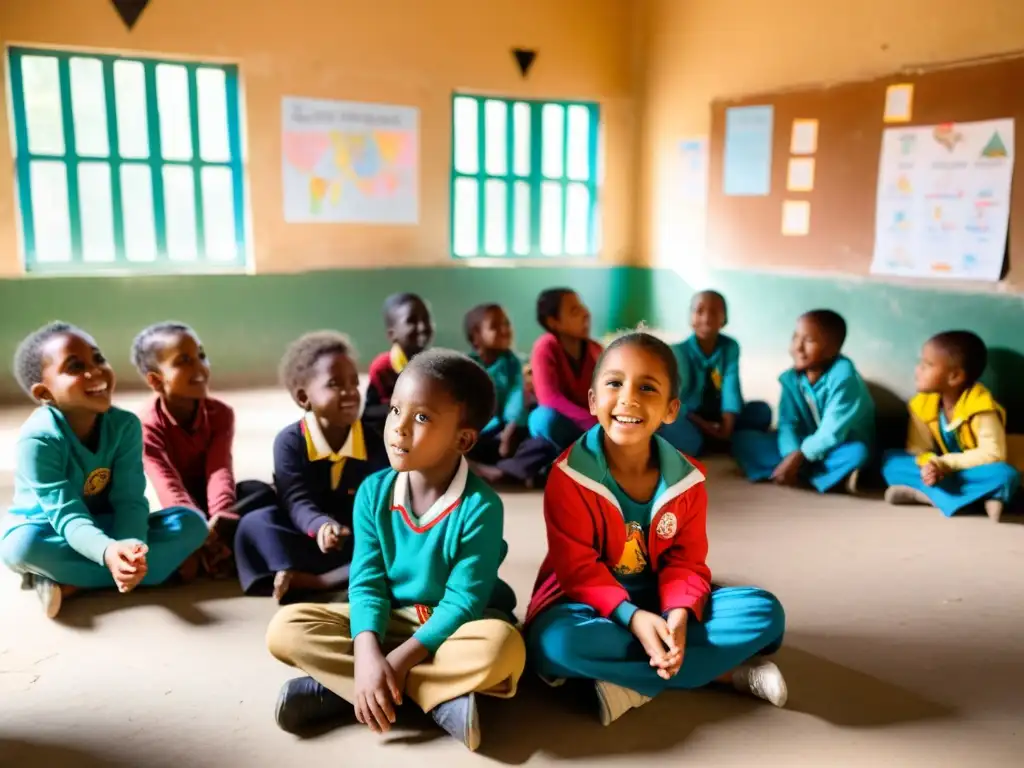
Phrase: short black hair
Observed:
(396, 301)
(475, 316)
(649, 343)
(28, 358)
(466, 382)
(549, 304)
(831, 322)
(709, 294)
(966, 349)
(146, 348)
(302, 354)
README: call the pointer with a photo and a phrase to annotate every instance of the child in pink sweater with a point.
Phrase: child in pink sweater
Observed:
(562, 364)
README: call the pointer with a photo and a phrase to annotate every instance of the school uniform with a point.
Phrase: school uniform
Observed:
(561, 385)
(432, 577)
(314, 486)
(383, 375)
(832, 422)
(71, 502)
(610, 555)
(970, 446)
(710, 387)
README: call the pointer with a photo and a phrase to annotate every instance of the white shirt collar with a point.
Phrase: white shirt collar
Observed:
(400, 497)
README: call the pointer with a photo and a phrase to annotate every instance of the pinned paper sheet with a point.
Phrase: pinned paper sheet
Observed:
(899, 103)
(796, 218)
(804, 138)
(800, 175)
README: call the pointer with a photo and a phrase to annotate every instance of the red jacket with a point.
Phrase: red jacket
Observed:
(587, 534)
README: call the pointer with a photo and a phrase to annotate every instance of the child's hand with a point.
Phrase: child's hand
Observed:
(330, 536)
(932, 473)
(376, 690)
(789, 469)
(654, 635)
(126, 561)
(676, 621)
(507, 445)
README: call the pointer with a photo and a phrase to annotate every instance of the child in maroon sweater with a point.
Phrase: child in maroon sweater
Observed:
(562, 365)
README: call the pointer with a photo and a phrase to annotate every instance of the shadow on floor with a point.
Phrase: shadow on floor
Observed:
(18, 753)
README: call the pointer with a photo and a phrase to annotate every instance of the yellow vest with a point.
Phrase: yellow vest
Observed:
(976, 400)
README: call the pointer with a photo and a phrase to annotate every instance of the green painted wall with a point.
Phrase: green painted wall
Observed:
(246, 321)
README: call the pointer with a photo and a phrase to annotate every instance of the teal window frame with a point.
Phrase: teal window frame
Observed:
(535, 178)
(155, 162)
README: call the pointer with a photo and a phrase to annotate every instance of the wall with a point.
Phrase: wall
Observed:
(697, 51)
(392, 51)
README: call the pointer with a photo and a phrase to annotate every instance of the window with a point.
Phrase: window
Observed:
(524, 177)
(126, 163)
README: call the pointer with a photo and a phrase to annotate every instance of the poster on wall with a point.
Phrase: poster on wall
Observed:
(349, 162)
(693, 154)
(747, 167)
(943, 206)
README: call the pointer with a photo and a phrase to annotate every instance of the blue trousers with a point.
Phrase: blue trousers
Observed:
(684, 435)
(957, 490)
(758, 455)
(174, 534)
(548, 424)
(571, 640)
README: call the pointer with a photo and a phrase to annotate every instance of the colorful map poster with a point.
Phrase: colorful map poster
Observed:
(943, 206)
(347, 162)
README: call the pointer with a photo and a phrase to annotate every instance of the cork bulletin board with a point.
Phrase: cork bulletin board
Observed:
(831, 224)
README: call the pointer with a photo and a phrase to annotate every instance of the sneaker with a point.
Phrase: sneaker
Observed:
(27, 582)
(904, 494)
(49, 595)
(613, 701)
(851, 482)
(994, 510)
(459, 719)
(762, 679)
(303, 702)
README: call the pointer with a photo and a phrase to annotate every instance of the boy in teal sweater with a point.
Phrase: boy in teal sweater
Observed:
(427, 616)
(80, 518)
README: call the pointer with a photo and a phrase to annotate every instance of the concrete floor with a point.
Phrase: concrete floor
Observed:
(904, 648)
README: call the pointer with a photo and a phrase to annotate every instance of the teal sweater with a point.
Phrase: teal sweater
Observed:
(60, 482)
(507, 374)
(694, 367)
(445, 561)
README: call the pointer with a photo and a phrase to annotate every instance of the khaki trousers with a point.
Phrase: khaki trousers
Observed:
(485, 656)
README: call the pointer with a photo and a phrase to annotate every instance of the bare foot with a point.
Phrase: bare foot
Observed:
(282, 583)
(189, 569)
(488, 473)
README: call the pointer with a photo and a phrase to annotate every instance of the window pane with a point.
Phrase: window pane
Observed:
(172, 104)
(41, 84)
(89, 108)
(48, 183)
(212, 96)
(467, 150)
(219, 214)
(521, 131)
(466, 239)
(521, 236)
(578, 162)
(496, 137)
(97, 207)
(180, 202)
(130, 92)
(577, 209)
(137, 206)
(553, 123)
(551, 218)
(495, 217)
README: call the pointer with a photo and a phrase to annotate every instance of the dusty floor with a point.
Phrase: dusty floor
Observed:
(904, 648)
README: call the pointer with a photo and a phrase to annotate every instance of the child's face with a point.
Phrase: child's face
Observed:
(936, 371)
(495, 331)
(573, 318)
(332, 391)
(411, 328)
(183, 370)
(707, 316)
(75, 376)
(810, 348)
(424, 428)
(632, 395)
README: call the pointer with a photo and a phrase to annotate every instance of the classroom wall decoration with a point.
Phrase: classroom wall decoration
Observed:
(944, 200)
(130, 10)
(348, 162)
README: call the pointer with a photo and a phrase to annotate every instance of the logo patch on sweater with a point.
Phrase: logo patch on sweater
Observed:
(96, 481)
(667, 526)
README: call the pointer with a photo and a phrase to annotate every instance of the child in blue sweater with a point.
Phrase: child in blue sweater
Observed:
(826, 427)
(427, 618)
(80, 518)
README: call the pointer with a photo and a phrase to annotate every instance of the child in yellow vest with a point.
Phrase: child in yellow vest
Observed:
(956, 446)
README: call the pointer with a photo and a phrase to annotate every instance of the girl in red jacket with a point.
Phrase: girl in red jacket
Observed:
(624, 596)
